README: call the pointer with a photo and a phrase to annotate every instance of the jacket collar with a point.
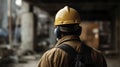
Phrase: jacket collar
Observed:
(67, 38)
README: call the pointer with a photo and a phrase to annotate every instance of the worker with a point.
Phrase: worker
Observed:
(69, 46)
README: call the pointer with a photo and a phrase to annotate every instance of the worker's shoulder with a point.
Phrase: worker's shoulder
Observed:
(54, 51)
(92, 49)
(96, 50)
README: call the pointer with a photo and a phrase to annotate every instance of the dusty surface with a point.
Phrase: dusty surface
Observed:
(111, 62)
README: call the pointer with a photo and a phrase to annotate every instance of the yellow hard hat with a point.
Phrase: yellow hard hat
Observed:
(66, 16)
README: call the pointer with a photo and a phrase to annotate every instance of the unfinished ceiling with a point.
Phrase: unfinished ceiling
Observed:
(88, 9)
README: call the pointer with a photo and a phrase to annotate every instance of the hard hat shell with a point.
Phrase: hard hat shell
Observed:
(66, 16)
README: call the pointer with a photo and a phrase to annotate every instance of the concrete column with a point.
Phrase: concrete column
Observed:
(27, 29)
(5, 18)
(10, 21)
(117, 29)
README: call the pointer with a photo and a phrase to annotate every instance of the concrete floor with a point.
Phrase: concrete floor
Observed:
(111, 62)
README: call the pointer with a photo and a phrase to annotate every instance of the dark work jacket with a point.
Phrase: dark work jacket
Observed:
(57, 57)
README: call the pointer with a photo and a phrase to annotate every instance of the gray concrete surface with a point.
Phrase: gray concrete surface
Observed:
(111, 62)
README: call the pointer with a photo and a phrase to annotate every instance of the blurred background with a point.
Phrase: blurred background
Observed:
(26, 29)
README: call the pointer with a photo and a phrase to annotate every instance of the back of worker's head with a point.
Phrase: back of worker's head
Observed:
(67, 22)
